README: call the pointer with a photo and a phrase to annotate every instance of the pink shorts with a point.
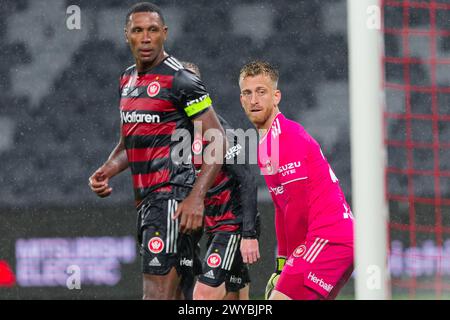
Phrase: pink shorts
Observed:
(317, 269)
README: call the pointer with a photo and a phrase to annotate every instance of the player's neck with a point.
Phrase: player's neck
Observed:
(142, 66)
(266, 126)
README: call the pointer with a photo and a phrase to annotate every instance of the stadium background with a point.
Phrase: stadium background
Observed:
(59, 121)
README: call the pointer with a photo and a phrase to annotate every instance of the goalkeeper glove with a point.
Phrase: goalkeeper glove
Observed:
(274, 277)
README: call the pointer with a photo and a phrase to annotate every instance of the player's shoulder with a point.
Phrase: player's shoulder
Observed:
(293, 130)
(225, 124)
(173, 64)
(187, 81)
(129, 70)
(286, 125)
(126, 75)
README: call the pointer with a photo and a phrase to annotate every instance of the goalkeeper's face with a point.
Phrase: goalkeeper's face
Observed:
(260, 99)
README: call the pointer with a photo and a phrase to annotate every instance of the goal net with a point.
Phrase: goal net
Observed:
(416, 83)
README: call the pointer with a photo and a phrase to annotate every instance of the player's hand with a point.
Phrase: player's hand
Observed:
(98, 183)
(250, 250)
(274, 277)
(191, 212)
(271, 285)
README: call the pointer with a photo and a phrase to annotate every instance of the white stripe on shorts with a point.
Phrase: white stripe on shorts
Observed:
(227, 250)
(230, 252)
(175, 222)
(236, 247)
(172, 227)
(168, 232)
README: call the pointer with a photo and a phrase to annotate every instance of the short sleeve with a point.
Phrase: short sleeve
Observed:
(191, 94)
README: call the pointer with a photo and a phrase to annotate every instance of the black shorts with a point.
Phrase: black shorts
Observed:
(223, 262)
(188, 279)
(238, 278)
(162, 246)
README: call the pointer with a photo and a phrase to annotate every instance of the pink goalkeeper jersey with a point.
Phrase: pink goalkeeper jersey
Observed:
(309, 202)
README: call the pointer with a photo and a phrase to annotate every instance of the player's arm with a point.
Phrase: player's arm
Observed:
(116, 163)
(295, 182)
(191, 209)
(198, 107)
(248, 196)
(297, 205)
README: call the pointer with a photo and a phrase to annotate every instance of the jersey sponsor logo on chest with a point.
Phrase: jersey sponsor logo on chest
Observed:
(289, 168)
(134, 117)
(277, 190)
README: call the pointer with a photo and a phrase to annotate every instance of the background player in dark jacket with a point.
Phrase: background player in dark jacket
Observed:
(231, 223)
(159, 97)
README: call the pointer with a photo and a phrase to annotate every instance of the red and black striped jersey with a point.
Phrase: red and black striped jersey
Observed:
(231, 202)
(153, 106)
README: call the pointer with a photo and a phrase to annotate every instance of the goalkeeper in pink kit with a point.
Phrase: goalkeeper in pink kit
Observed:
(313, 222)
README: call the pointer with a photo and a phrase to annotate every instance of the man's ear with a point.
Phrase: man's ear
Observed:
(242, 101)
(277, 96)
(125, 32)
(166, 31)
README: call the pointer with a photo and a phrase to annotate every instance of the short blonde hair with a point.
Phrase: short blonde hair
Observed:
(258, 67)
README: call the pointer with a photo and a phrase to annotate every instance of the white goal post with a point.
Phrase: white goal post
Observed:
(368, 153)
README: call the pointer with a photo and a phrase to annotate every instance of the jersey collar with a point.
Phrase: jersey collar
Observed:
(261, 140)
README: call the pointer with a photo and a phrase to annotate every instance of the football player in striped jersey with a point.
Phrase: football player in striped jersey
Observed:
(158, 99)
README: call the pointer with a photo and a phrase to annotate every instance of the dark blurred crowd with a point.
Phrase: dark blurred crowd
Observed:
(59, 140)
